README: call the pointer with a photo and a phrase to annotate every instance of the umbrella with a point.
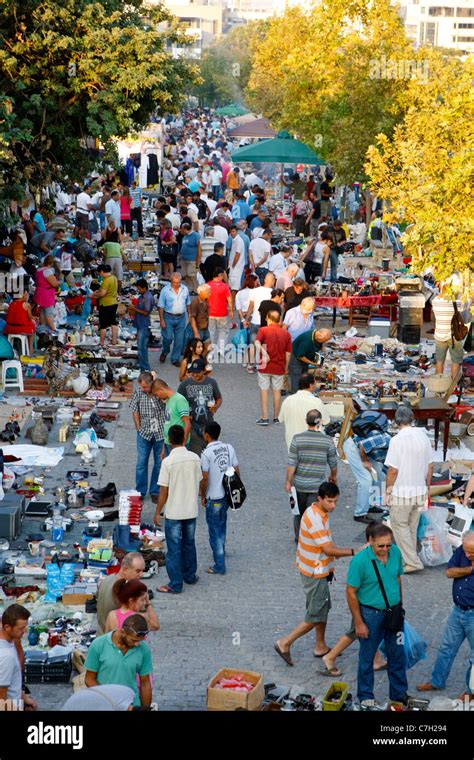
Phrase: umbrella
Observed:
(282, 149)
(254, 128)
(231, 110)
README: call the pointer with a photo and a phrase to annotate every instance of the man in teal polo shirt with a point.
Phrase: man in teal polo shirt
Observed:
(118, 657)
(366, 602)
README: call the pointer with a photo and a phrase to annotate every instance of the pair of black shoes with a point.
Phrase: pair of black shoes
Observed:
(11, 431)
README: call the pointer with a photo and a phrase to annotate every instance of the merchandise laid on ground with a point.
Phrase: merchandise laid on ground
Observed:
(374, 393)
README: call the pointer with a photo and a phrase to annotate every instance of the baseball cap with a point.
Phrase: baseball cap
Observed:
(198, 365)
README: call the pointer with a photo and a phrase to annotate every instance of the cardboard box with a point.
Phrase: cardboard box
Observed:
(226, 699)
(76, 599)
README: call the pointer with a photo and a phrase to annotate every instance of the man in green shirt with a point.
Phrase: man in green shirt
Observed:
(118, 657)
(177, 410)
(304, 351)
(368, 607)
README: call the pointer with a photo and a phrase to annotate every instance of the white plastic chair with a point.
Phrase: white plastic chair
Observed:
(24, 346)
(9, 382)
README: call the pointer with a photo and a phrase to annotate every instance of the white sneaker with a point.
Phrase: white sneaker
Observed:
(368, 704)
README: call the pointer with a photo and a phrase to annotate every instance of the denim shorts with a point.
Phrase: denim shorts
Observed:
(318, 599)
(48, 311)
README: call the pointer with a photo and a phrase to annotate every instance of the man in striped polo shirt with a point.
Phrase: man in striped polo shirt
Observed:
(315, 561)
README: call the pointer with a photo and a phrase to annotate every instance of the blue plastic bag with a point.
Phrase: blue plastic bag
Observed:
(415, 647)
(240, 339)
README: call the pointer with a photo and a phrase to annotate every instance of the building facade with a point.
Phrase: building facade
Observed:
(441, 23)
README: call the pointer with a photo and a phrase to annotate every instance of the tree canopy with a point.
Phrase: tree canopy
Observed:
(74, 72)
(425, 171)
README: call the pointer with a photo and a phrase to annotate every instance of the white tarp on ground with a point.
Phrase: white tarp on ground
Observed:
(36, 456)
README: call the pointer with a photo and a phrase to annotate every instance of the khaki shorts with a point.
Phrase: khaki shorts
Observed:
(265, 382)
(318, 599)
(456, 352)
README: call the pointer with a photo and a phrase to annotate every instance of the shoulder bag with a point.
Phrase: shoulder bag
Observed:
(394, 616)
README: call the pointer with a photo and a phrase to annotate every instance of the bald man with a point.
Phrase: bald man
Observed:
(460, 623)
(305, 353)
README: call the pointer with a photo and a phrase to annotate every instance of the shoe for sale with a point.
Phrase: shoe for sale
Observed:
(262, 422)
(369, 705)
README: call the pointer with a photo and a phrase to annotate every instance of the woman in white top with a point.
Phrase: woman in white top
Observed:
(313, 259)
(242, 299)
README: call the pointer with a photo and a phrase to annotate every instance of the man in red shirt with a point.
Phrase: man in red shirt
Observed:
(220, 309)
(274, 345)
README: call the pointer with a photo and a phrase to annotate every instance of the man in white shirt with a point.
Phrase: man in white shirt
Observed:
(215, 182)
(260, 252)
(216, 458)
(253, 179)
(295, 408)
(14, 626)
(83, 209)
(253, 318)
(179, 479)
(410, 467)
(236, 262)
(279, 262)
(220, 233)
(207, 244)
(112, 208)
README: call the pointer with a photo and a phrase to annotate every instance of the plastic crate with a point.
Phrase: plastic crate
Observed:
(48, 672)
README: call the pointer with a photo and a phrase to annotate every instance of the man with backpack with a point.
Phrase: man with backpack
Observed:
(365, 452)
(216, 458)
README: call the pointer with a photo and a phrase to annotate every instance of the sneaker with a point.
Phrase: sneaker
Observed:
(376, 510)
(276, 421)
(363, 519)
(262, 422)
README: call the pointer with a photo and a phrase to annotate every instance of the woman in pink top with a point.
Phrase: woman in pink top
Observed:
(45, 293)
(133, 599)
(125, 211)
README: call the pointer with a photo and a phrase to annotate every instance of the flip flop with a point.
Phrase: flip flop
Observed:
(284, 655)
(331, 672)
(382, 667)
(321, 655)
(166, 590)
(210, 571)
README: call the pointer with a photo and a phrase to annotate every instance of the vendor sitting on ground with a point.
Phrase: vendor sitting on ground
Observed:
(19, 317)
(133, 598)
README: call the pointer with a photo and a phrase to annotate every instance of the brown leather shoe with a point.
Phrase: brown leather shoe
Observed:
(426, 687)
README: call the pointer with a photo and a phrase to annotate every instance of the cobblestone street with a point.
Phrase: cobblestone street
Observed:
(234, 620)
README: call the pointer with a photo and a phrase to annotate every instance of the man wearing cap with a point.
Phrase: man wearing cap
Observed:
(204, 398)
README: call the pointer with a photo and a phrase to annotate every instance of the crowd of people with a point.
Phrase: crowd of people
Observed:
(222, 276)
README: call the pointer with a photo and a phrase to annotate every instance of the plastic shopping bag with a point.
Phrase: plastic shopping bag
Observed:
(435, 547)
(240, 339)
(415, 647)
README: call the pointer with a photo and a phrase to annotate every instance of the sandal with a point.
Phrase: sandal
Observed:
(284, 655)
(166, 590)
(331, 672)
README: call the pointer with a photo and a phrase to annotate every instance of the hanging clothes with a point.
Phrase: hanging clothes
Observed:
(153, 175)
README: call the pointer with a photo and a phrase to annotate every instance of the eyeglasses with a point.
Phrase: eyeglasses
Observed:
(140, 634)
(383, 546)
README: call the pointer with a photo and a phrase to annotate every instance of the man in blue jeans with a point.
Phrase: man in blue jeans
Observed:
(149, 416)
(460, 623)
(215, 459)
(368, 607)
(173, 306)
(179, 480)
(364, 454)
(141, 321)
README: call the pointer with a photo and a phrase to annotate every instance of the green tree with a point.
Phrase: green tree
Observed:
(225, 66)
(77, 72)
(322, 74)
(425, 171)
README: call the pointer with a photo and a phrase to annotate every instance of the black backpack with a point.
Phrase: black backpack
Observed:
(368, 422)
(202, 209)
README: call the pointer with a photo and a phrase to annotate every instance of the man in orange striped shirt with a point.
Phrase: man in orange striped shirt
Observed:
(315, 561)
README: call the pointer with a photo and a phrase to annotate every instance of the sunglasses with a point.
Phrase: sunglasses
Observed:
(383, 546)
(140, 634)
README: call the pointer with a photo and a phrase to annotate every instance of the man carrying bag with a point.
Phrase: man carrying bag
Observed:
(374, 595)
